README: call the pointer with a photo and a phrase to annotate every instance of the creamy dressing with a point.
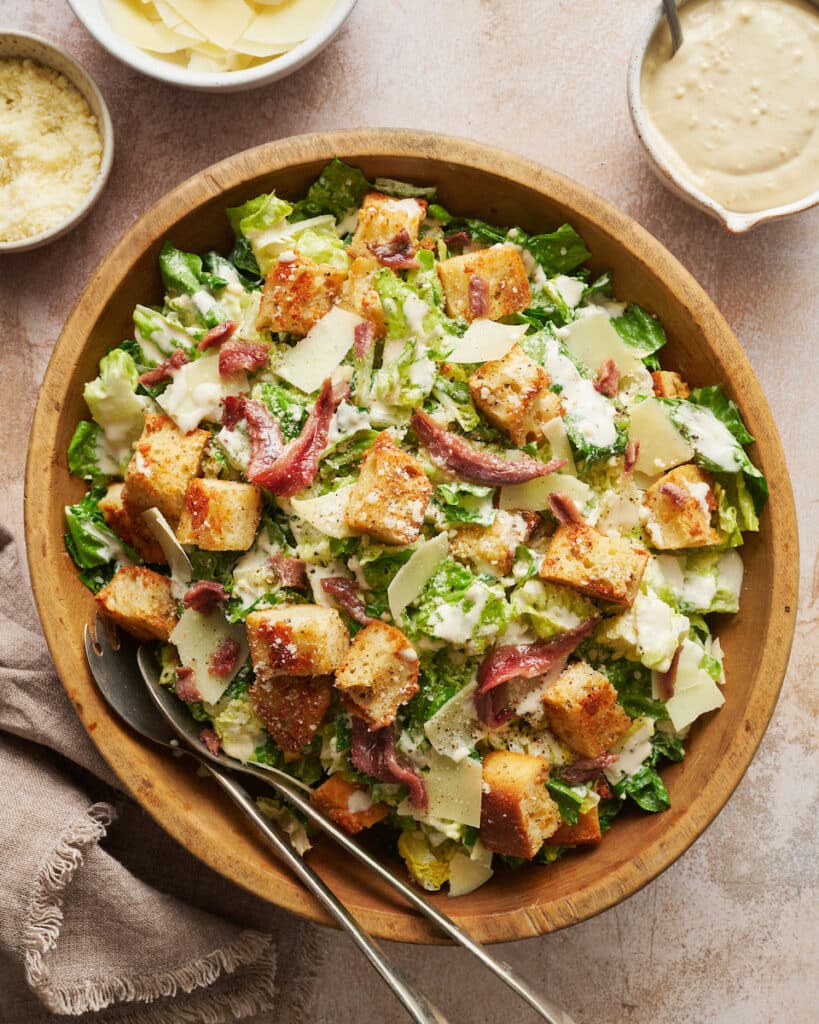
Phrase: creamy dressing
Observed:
(736, 109)
(589, 412)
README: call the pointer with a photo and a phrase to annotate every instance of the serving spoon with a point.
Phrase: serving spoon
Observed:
(673, 18)
(156, 713)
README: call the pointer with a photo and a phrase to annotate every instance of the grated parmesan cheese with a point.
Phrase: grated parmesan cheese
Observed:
(50, 148)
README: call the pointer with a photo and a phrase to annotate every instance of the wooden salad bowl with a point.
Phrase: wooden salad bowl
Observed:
(505, 189)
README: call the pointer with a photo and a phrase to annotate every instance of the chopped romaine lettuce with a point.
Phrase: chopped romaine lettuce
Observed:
(88, 454)
(640, 329)
(404, 190)
(569, 799)
(92, 544)
(465, 503)
(650, 632)
(338, 190)
(558, 252)
(548, 608)
(115, 405)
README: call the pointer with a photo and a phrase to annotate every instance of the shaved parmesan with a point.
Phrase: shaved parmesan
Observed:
(533, 495)
(454, 789)
(570, 289)
(453, 729)
(631, 749)
(662, 446)
(197, 390)
(592, 340)
(559, 448)
(326, 513)
(412, 577)
(128, 20)
(180, 565)
(197, 637)
(485, 340)
(219, 21)
(310, 361)
(287, 23)
(695, 692)
(467, 875)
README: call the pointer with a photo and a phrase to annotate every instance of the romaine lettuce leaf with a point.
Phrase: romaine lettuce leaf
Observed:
(549, 609)
(558, 252)
(404, 190)
(183, 272)
(640, 329)
(158, 336)
(568, 800)
(116, 407)
(338, 190)
(94, 547)
(287, 405)
(465, 503)
(88, 455)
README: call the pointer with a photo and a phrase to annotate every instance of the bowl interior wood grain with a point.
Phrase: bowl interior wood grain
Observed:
(498, 187)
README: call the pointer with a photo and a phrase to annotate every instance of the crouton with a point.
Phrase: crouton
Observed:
(296, 640)
(668, 384)
(517, 812)
(513, 393)
(606, 568)
(586, 832)
(390, 497)
(358, 294)
(132, 529)
(298, 292)
(677, 510)
(164, 462)
(582, 710)
(379, 673)
(292, 707)
(220, 515)
(348, 805)
(492, 548)
(500, 268)
(140, 601)
(381, 218)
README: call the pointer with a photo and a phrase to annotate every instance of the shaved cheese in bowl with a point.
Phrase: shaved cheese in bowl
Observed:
(219, 35)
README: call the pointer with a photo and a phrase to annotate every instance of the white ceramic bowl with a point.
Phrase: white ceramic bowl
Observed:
(25, 45)
(91, 14)
(735, 222)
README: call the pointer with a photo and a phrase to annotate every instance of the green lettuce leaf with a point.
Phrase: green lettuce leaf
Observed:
(465, 503)
(568, 800)
(183, 272)
(338, 190)
(92, 544)
(646, 789)
(439, 681)
(558, 252)
(287, 405)
(116, 407)
(640, 330)
(88, 457)
(403, 190)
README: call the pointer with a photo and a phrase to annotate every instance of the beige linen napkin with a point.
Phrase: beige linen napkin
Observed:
(87, 924)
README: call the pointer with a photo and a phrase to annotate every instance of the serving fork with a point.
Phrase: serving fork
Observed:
(128, 679)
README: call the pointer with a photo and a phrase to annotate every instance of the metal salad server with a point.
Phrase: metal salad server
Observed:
(113, 664)
(673, 18)
(177, 718)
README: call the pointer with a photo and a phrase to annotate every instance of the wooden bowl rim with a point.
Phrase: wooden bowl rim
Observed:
(395, 921)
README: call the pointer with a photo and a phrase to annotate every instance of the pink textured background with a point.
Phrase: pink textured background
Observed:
(728, 934)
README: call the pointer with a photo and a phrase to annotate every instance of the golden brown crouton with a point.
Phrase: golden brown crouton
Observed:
(339, 800)
(292, 707)
(585, 833)
(220, 515)
(606, 568)
(582, 710)
(513, 393)
(390, 497)
(296, 640)
(517, 813)
(500, 269)
(164, 462)
(382, 217)
(131, 528)
(358, 293)
(492, 548)
(141, 602)
(298, 292)
(668, 384)
(379, 673)
(678, 507)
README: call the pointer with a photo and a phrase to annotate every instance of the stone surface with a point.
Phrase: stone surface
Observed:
(728, 934)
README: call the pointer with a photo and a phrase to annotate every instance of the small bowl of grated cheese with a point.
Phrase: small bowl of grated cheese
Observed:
(56, 142)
